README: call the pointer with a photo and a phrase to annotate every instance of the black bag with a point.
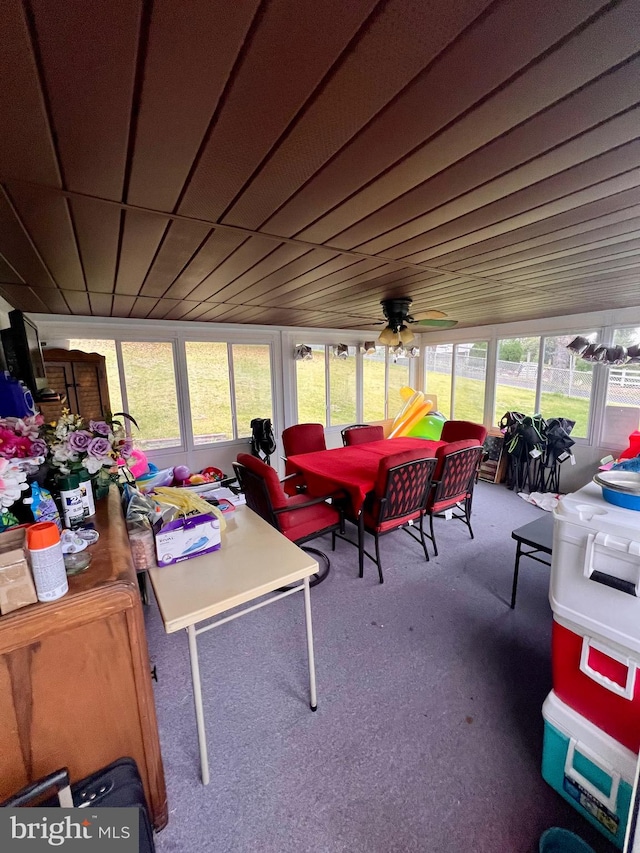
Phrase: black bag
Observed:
(117, 786)
(263, 440)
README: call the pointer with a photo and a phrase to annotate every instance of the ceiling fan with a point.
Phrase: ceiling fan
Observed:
(396, 312)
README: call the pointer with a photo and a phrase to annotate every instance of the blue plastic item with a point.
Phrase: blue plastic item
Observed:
(16, 400)
(557, 840)
(623, 499)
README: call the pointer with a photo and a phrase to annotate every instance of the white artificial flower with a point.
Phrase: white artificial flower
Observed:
(12, 483)
(92, 464)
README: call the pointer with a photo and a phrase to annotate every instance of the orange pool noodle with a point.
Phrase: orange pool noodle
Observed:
(415, 407)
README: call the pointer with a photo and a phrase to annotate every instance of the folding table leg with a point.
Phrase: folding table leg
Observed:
(197, 700)
(515, 575)
(313, 699)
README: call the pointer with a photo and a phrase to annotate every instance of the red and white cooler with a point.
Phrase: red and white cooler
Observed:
(595, 568)
(597, 678)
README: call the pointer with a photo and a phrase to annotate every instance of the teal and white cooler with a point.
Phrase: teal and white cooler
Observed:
(588, 768)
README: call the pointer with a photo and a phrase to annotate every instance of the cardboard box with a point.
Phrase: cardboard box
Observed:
(16, 583)
(188, 537)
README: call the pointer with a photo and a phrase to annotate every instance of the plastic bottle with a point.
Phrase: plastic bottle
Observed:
(47, 561)
(86, 489)
(71, 500)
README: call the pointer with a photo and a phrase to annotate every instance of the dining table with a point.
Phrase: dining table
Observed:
(352, 469)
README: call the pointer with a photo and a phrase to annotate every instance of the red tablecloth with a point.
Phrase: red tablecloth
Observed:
(353, 469)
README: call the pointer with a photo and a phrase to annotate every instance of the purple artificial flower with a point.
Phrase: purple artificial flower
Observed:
(78, 440)
(125, 448)
(38, 447)
(100, 427)
(99, 448)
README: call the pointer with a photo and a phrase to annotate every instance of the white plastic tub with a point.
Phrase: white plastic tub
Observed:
(595, 566)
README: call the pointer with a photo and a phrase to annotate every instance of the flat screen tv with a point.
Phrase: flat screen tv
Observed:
(23, 353)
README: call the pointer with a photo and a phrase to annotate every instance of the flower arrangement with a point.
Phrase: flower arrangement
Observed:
(72, 445)
(21, 452)
(20, 438)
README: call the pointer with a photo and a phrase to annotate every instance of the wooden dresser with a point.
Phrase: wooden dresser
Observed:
(75, 681)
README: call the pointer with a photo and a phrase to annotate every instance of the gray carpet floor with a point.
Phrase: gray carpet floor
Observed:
(428, 734)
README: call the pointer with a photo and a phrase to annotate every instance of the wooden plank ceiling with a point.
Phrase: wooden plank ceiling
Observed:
(292, 162)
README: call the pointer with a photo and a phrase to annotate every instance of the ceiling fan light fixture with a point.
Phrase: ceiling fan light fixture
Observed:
(388, 337)
(406, 335)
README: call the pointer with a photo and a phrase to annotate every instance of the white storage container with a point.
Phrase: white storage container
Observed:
(595, 566)
(589, 769)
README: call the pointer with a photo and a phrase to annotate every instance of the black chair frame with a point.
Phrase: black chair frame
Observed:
(386, 510)
(464, 504)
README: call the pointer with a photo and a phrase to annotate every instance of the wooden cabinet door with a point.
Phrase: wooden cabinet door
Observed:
(81, 378)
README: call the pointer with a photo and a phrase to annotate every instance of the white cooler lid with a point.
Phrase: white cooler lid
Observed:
(574, 725)
(587, 508)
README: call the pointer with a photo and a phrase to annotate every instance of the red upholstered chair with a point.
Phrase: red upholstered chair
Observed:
(462, 430)
(399, 496)
(361, 434)
(299, 518)
(453, 482)
(301, 438)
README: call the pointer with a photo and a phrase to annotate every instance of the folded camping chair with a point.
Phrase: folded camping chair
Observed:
(263, 441)
(558, 450)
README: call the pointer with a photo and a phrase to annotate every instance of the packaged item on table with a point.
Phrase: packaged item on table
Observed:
(43, 505)
(16, 584)
(191, 529)
(141, 542)
(47, 561)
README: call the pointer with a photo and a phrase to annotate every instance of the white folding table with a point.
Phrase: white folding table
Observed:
(255, 560)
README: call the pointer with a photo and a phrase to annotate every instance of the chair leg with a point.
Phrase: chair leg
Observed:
(423, 539)
(333, 540)
(378, 561)
(361, 545)
(467, 515)
(433, 536)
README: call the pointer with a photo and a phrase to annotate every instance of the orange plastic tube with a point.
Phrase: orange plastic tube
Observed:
(412, 419)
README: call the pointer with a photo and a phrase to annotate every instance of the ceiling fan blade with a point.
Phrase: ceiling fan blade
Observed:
(437, 324)
(429, 315)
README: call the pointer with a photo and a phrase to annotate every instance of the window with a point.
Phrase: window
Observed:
(469, 382)
(252, 384)
(622, 412)
(312, 394)
(438, 364)
(565, 391)
(342, 386)
(209, 391)
(219, 373)
(151, 393)
(516, 376)
(108, 350)
(398, 378)
(373, 385)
